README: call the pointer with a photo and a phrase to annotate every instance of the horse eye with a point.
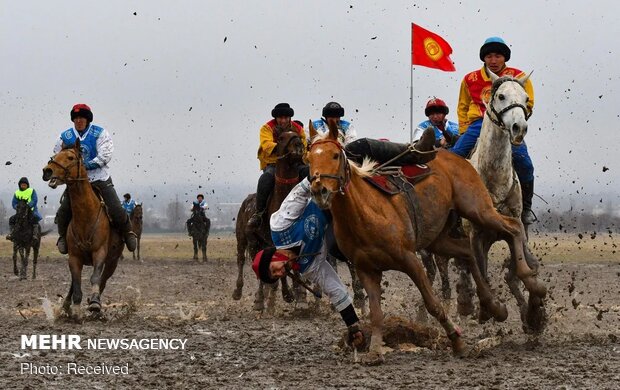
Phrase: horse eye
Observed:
(501, 97)
(71, 158)
(336, 156)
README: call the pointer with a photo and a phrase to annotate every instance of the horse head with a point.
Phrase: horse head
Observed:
(137, 211)
(23, 212)
(507, 107)
(289, 144)
(329, 168)
(65, 167)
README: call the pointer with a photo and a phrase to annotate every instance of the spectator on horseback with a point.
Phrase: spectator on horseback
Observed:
(200, 203)
(473, 97)
(24, 192)
(128, 204)
(446, 132)
(282, 114)
(298, 232)
(97, 148)
(346, 131)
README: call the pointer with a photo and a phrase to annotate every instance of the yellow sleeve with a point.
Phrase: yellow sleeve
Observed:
(267, 144)
(529, 88)
(463, 107)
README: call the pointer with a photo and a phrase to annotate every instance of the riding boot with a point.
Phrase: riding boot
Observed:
(420, 152)
(527, 193)
(11, 228)
(263, 191)
(63, 217)
(117, 213)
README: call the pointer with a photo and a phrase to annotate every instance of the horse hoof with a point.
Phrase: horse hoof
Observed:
(94, 307)
(258, 306)
(288, 297)
(459, 348)
(373, 359)
(236, 295)
(501, 313)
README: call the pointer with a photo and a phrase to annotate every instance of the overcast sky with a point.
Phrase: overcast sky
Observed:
(184, 86)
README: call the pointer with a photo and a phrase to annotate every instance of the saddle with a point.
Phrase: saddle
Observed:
(394, 180)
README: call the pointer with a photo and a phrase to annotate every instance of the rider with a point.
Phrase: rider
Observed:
(97, 148)
(446, 132)
(200, 202)
(24, 192)
(297, 230)
(281, 114)
(346, 131)
(475, 92)
(128, 204)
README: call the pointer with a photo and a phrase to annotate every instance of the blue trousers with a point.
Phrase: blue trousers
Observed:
(521, 160)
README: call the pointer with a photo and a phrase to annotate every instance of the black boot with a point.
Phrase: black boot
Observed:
(527, 193)
(386, 152)
(63, 217)
(426, 143)
(263, 191)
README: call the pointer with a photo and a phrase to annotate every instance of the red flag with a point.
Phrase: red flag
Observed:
(430, 50)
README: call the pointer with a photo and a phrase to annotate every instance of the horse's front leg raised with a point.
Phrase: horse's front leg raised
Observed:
(523, 270)
(371, 280)
(94, 302)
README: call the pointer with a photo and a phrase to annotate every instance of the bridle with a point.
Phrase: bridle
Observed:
(296, 136)
(498, 115)
(344, 169)
(66, 169)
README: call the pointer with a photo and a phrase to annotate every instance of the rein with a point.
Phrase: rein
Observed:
(67, 179)
(498, 115)
(344, 170)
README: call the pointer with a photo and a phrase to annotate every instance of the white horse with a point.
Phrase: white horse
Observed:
(504, 125)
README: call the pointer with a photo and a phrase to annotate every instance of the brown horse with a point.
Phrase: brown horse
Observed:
(136, 223)
(380, 233)
(90, 239)
(290, 151)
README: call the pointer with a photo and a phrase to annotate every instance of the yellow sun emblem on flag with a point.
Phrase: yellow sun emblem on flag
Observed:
(432, 49)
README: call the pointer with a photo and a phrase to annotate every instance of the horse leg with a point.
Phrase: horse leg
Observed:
(138, 248)
(240, 263)
(442, 267)
(75, 266)
(359, 298)
(415, 270)
(464, 289)
(204, 249)
(515, 288)
(15, 249)
(271, 298)
(371, 280)
(35, 258)
(23, 254)
(108, 270)
(429, 265)
(287, 294)
(460, 248)
(195, 241)
(259, 298)
(523, 271)
(94, 302)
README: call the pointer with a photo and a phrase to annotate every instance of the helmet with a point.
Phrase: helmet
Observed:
(282, 109)
(333, 110)
(494, 45)
(436, 105)
(81, 110)
(261, 262)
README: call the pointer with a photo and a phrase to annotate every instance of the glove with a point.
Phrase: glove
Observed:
(91, 165)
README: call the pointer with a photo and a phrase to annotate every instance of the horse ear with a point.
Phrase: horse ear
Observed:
(76, 145)
(522, 81)
(492, 75)
(332, 124)
(313, 132)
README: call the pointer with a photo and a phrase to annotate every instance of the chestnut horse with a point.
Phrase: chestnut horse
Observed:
(136, 223)
(290, 151)
(90, 239)
(379, 232)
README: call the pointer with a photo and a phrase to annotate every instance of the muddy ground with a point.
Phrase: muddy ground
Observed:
(168, 297)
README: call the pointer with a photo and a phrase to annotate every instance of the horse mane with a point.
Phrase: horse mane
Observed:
(364, 170)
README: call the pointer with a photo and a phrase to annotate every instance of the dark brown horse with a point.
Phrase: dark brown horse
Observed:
(90, 239)
(198, 227)
(290, 151)
(25, 238)
(380, 233)
(136, 223)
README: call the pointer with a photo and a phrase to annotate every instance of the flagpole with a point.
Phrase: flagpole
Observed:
(411, 93)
